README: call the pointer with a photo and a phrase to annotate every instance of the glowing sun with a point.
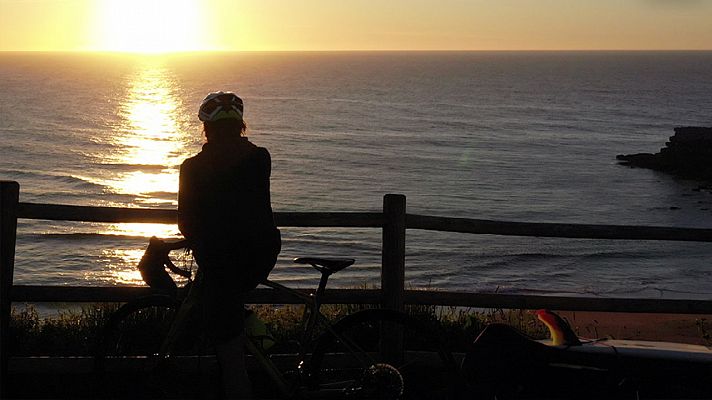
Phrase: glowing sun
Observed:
(154, 26)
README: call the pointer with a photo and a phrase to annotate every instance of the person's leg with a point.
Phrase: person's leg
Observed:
(223, 310)
(231, 358)
(223, 305)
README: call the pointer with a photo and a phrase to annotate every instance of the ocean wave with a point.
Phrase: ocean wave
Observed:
(171, 195)
(588, 255)
(540, 291)
(330, 241)
(78, 182)
(78, 236)
(509, 261)
(75, 182)
(142, 167)
(525, 256)
(12, 174)
(644, 291)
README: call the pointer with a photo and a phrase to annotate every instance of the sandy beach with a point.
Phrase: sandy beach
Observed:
(680, 328)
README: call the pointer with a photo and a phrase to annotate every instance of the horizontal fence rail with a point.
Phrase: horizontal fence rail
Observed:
(579, 231)
(375, 220)
(55, 212)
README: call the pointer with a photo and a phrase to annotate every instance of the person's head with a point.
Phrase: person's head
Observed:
(221, 113)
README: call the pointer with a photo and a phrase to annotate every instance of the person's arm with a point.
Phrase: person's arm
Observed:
(267, 168)
(166, 248)
(175, 245)
(168, 263)
(266, 161)
(186, 203)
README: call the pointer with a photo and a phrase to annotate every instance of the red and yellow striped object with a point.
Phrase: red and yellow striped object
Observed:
(560, 331)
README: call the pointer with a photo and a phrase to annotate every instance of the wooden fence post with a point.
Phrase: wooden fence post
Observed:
(393, 257)
(393, 275)
(9, 198)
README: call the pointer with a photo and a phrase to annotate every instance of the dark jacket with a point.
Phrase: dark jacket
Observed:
(224, 204)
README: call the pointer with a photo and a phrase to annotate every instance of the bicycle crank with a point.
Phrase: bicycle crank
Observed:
(379, 381)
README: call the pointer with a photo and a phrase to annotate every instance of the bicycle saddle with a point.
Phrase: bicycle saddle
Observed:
(328, 265)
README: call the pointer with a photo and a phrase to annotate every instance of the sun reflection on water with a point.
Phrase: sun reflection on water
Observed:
(142, 230)
(120, 267)
(152, 138)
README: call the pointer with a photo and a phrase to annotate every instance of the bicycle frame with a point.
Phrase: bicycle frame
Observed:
(312, 315)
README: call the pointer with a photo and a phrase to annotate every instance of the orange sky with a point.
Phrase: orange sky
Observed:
(183, 25)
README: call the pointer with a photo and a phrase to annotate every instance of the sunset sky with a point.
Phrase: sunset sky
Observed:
(232, 25)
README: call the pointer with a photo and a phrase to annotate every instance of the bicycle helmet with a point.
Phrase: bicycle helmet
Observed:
(220, 105)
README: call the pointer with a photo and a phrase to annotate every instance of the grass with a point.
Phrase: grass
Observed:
(704, 330)
(66, 333)
(74, 332)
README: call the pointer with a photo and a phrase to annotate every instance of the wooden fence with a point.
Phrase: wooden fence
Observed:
(393, 221)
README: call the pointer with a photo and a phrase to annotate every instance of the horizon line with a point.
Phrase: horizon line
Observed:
(136, 53)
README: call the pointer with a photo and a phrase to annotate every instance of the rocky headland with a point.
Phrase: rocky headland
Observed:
(688, 154)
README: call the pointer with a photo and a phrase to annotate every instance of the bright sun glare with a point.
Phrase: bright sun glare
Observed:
(156, 26)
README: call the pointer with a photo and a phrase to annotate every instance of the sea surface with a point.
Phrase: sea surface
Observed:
(515, 136)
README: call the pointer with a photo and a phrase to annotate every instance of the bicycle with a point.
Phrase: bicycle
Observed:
(353, 357)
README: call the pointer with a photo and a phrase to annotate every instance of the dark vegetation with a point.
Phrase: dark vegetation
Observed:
(74, 332)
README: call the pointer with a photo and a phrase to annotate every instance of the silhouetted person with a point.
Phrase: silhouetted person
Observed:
(224, 211)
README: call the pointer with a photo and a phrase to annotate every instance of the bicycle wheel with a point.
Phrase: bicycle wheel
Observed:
(354, 358)
(126, 361)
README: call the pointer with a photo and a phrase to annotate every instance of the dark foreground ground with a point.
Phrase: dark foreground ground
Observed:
(510, 372)
(74, 378)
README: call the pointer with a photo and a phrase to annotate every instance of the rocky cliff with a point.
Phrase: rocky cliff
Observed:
(687, 154)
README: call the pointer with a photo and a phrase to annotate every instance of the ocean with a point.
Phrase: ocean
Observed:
(515, 136)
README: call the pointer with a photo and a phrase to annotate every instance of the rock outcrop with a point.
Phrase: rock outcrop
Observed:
(688, 154)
